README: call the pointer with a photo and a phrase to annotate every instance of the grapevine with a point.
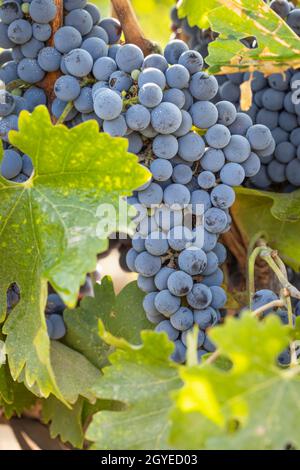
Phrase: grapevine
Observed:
(196, 172)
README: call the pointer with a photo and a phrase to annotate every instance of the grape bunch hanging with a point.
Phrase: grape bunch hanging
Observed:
(275, 103)
(197, 148)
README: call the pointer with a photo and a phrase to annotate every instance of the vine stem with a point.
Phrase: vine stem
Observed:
(64, 114)
(132, 31)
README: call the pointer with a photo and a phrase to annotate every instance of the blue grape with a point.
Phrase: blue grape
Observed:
(66, 39)
(147, 265)
(79, 19)
(151, 196)
(166, 303)
(156, 244)
(103, 68)
(161, 278)
(58, 327)
(84, 102)
(204, 114)
(182, 174)
(138, 117)
(259, 137)
(200, 337)
(183, 319)
(92, 9)
(179, 237)
(219, 297)
(41, 32)
(161, 169)
(30, 71)
(174, 50)
(135, 143)
(215, 220)
(115, 127)
(200, 202)
(292, 172)
(42, 11)
(19, 31)
(156, 61)
(213, 160)
(152, 75)
(49, 59)
(212, 264)
(150, 95)
(108, 105)
(206, 179)
(221, 252)
(241, 124)
(98, 32)
(218, 137)
(179, 355)
(177, 76)
(180, 283)
(263, 297)
(11, 164)
(54, 304)
(73, 4)
(214, 279)
(34, 96)
(238, 149)
(7, 124)
(27, 166)
(78, 62)
(226, 113)
(31, 48)
(177, 196)
(232, 174)
(203, 87)
(192, 261)
(165, 146)
(96, 47)
(222, 196)
(166, 327)
(129, 57)
(192, 61)
(10, 11)
(146, 284)
(113, 28)
(67, 88)
(120, 81)
(7, 103)
(206, 318)
(191, 147)
(175, 96)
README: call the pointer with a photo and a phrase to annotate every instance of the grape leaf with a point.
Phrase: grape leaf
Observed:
(141, 377)
(197, 11)
(279, 220)
(122, 315)
(74, 374)
(68, 424)
(278, 46)
(48, 227)
(64, 422)
(254, 405)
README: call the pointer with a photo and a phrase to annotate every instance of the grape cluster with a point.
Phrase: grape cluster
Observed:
(196, 152)
(33, 50)
(275, 104)
(266, 296)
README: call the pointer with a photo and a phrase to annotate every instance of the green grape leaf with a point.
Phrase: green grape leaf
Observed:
(197, 12)
(122, 315)
(254, 405)
(141, 377)
(74, 374)
(49, 228)
(278, 221)
(64, 422)
(278, 47)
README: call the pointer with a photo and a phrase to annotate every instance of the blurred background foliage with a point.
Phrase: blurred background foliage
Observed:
(154, 17)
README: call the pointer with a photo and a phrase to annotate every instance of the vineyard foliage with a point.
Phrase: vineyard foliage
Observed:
(111, 383)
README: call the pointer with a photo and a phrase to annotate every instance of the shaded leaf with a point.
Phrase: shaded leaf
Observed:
(122, 315)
